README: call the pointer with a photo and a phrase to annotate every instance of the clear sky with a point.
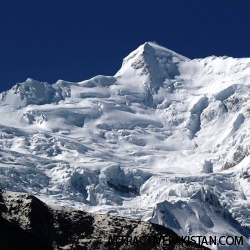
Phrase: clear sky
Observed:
(75, 40)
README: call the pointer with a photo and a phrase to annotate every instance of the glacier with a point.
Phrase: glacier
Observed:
(166, 139)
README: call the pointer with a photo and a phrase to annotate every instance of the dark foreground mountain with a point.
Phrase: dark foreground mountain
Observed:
(27, 223)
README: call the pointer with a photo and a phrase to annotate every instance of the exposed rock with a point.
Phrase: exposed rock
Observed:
(27, 223)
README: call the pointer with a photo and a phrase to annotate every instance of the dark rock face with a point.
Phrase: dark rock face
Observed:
(13, 237)
(27, 223)
(123, 188)
(239, 155)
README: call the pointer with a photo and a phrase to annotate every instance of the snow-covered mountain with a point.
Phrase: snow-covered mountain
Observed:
(166, 139)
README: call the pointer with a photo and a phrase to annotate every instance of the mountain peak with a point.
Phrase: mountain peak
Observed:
(159, 48)
(151, 59)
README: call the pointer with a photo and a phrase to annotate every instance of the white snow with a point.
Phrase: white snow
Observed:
(149, 142)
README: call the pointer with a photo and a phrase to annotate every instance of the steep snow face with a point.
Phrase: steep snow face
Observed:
(202, 214)
(153, 66)
(160, 130)
(153, 60)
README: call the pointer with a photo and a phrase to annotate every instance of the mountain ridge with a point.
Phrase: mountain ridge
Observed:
(34, 225)
(161, 130)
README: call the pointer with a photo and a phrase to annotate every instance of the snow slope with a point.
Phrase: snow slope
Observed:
(155, 139)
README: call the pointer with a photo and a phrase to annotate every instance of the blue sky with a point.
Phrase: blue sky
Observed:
(77, 39)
